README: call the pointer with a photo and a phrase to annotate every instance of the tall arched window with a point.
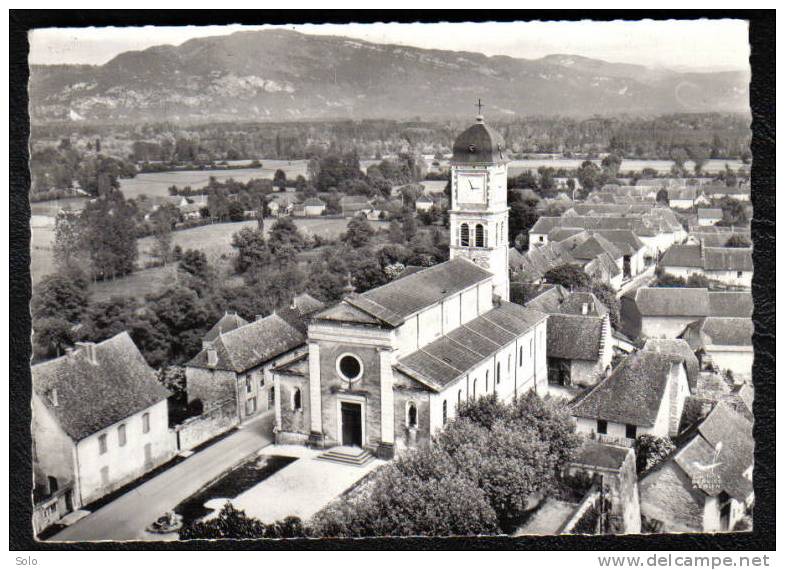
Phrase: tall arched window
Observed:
(465, 235)
(531, 347)
(297, 400)
(486, 381)
(444, 412)
(474, 389)
(411, 415)
(520, 356)
(459, 396)
(479, 236)
(509, 362)
(498, 372)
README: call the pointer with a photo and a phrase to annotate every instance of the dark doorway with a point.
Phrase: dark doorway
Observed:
(724, 500)
(351, 422)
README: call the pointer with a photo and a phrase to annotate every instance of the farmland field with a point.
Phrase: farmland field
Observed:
(215, 240)
(158, 183)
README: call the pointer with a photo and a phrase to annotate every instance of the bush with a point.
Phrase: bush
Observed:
(650, 450)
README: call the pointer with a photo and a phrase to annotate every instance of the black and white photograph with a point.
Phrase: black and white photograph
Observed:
(338, 280)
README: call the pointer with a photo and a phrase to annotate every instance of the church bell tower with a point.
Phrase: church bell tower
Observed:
(479, 213)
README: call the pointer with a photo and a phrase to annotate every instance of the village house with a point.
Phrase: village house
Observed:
(645, 394)
(681, 198)
(424, 203)
(234, 367)
(706, 485)
(313, 207)
(726, 265)
(350, 206)
(709, 216)
(100, 420)
(723, 343)
(661, 312)
(579, 343)
(281, 204)
(386, 369)
(612, 467)
(679, 348)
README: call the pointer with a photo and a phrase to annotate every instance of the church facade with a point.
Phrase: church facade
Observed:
(386, 369)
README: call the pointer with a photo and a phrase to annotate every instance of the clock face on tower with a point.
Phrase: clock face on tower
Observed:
(471, 189)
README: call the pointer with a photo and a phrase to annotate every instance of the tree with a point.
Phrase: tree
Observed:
(60, 296)
(697, 281)
(523, 215)
(699, 156)
(358, 232)
(110, 235)
(651, 450)
(285, 240)
(279, 179)
(589, 176)
(679, 157)
(733, 212)
(662, 197)
(611, 164)
(196, 271)
(68, 248)
(52, 335)
(568, 276)
(670, 280)
(395, 233)
(235, 212)
(252, 250)
(163, 221)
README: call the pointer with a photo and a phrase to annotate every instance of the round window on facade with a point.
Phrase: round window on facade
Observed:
(350, 367)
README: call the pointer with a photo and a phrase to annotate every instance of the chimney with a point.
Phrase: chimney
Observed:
(293, 305)
(212, 356)
(585, 308)
(259, 317)
(89, 351)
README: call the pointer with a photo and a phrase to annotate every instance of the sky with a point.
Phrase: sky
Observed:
(704, 45)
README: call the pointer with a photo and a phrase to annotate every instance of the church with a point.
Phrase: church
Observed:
(386, 369)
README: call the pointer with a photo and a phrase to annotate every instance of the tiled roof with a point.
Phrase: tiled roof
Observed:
(354, 200)
(301, 307)
(549, 299)
(678, 347)
(727, 258)
(723, 443)
(682, 256)
(672, 301)
(632, 393)
(623, 238)
(251, 345)
(574, 337)
(730, 304)
(399, 299)
(596, 454)
(720, 331)
(573, 305)
(314, 202)
(228, 322)
(595, 246)
(343, 312)
(447, 358)
(93, 396)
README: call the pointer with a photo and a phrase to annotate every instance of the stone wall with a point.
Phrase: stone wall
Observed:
(209, 386)
(216, 420)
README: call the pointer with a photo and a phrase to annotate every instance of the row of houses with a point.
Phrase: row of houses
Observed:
(716, 324)
(730, 266)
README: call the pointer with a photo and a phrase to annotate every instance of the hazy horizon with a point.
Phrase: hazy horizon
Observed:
(703, 45)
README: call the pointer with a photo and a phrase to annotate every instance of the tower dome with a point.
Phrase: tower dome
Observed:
(479, 144)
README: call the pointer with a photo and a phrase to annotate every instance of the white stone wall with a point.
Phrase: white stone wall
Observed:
(664, 327)
(730, 358)
(124, 463)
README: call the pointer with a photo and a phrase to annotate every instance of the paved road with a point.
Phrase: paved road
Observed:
(126, 517)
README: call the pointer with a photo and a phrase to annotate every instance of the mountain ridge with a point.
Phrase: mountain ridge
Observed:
(285, 75)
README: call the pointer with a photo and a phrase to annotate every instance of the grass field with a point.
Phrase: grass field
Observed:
(215, 240)
(158, 183)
